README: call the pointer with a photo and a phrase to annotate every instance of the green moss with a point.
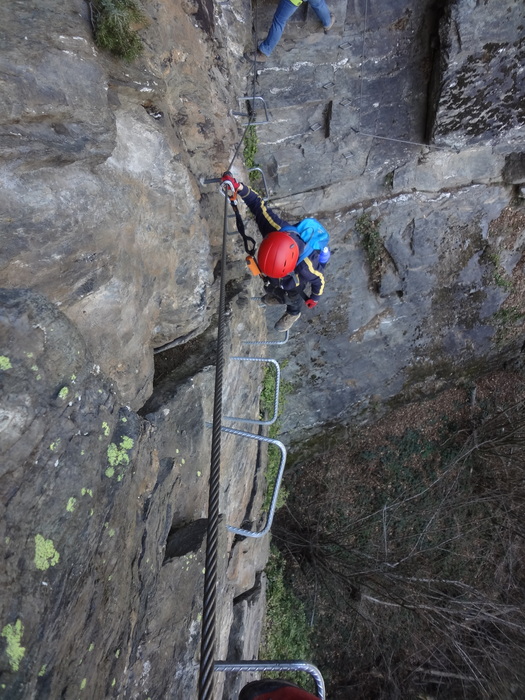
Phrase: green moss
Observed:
(62, 394)
(249, 153)
(15, 651)
(287, 634)
(105, 428)
(368, 230)
(5, 362)
(45, 553)
(42, 671)
(110, 472)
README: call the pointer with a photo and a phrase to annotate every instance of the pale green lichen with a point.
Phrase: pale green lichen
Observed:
(91, 647)
(62, 394)
(5, 363)
(87, 492)
(71, 504)
(54, 445)
(73, 378)
(124, 420)
(111, 532)
(15, 651)
(43, 670)
(45, 553)
(113, 682)
(83, 683)
(118, 455)
(117, 653)
(105, 428)
(34, 368)
(109, 472)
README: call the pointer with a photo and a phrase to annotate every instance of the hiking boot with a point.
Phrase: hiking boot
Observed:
(332, 20)
(286, 321)
(257, 56)
(270, 300)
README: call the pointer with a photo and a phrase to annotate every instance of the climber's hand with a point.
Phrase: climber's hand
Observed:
(229, 183)
(310, 303)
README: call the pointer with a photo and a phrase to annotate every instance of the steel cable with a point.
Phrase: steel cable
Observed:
(206, 676)
(209, 602)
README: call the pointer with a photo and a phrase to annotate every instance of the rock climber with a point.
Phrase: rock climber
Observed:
(281, 258)
(284, 11)
(269, 689)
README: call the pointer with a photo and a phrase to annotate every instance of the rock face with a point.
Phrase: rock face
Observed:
(370, 123)
(109, 251)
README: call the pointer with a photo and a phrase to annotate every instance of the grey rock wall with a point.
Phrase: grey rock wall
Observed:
(351, 118)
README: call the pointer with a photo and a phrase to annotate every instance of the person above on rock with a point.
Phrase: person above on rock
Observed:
(287, 264)
(284, 11)
(270, 689)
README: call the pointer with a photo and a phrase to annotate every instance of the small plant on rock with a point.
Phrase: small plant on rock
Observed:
(115, 25)
(368, 230)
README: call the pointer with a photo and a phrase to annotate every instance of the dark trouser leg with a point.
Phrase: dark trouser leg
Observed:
(294, 302)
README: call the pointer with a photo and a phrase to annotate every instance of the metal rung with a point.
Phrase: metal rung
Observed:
(277, 485)
(268, 342)
(276, 395)
(244, 114)
(345, 102)
(345, 45)
(259, 666)
(256, 168)
(316, 126)
(328, 85)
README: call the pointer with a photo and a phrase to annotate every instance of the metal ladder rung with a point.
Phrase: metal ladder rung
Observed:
(258, 666)
(244, 114)
(276, 395)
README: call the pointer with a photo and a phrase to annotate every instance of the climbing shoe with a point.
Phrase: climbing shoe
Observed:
(332, 20)
(270, 300)
(286, 322)
(257, 56)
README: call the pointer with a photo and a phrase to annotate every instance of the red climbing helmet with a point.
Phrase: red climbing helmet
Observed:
(278, 254)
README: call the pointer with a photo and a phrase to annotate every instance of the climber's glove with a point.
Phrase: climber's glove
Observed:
(229, 184)
(310, 303)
